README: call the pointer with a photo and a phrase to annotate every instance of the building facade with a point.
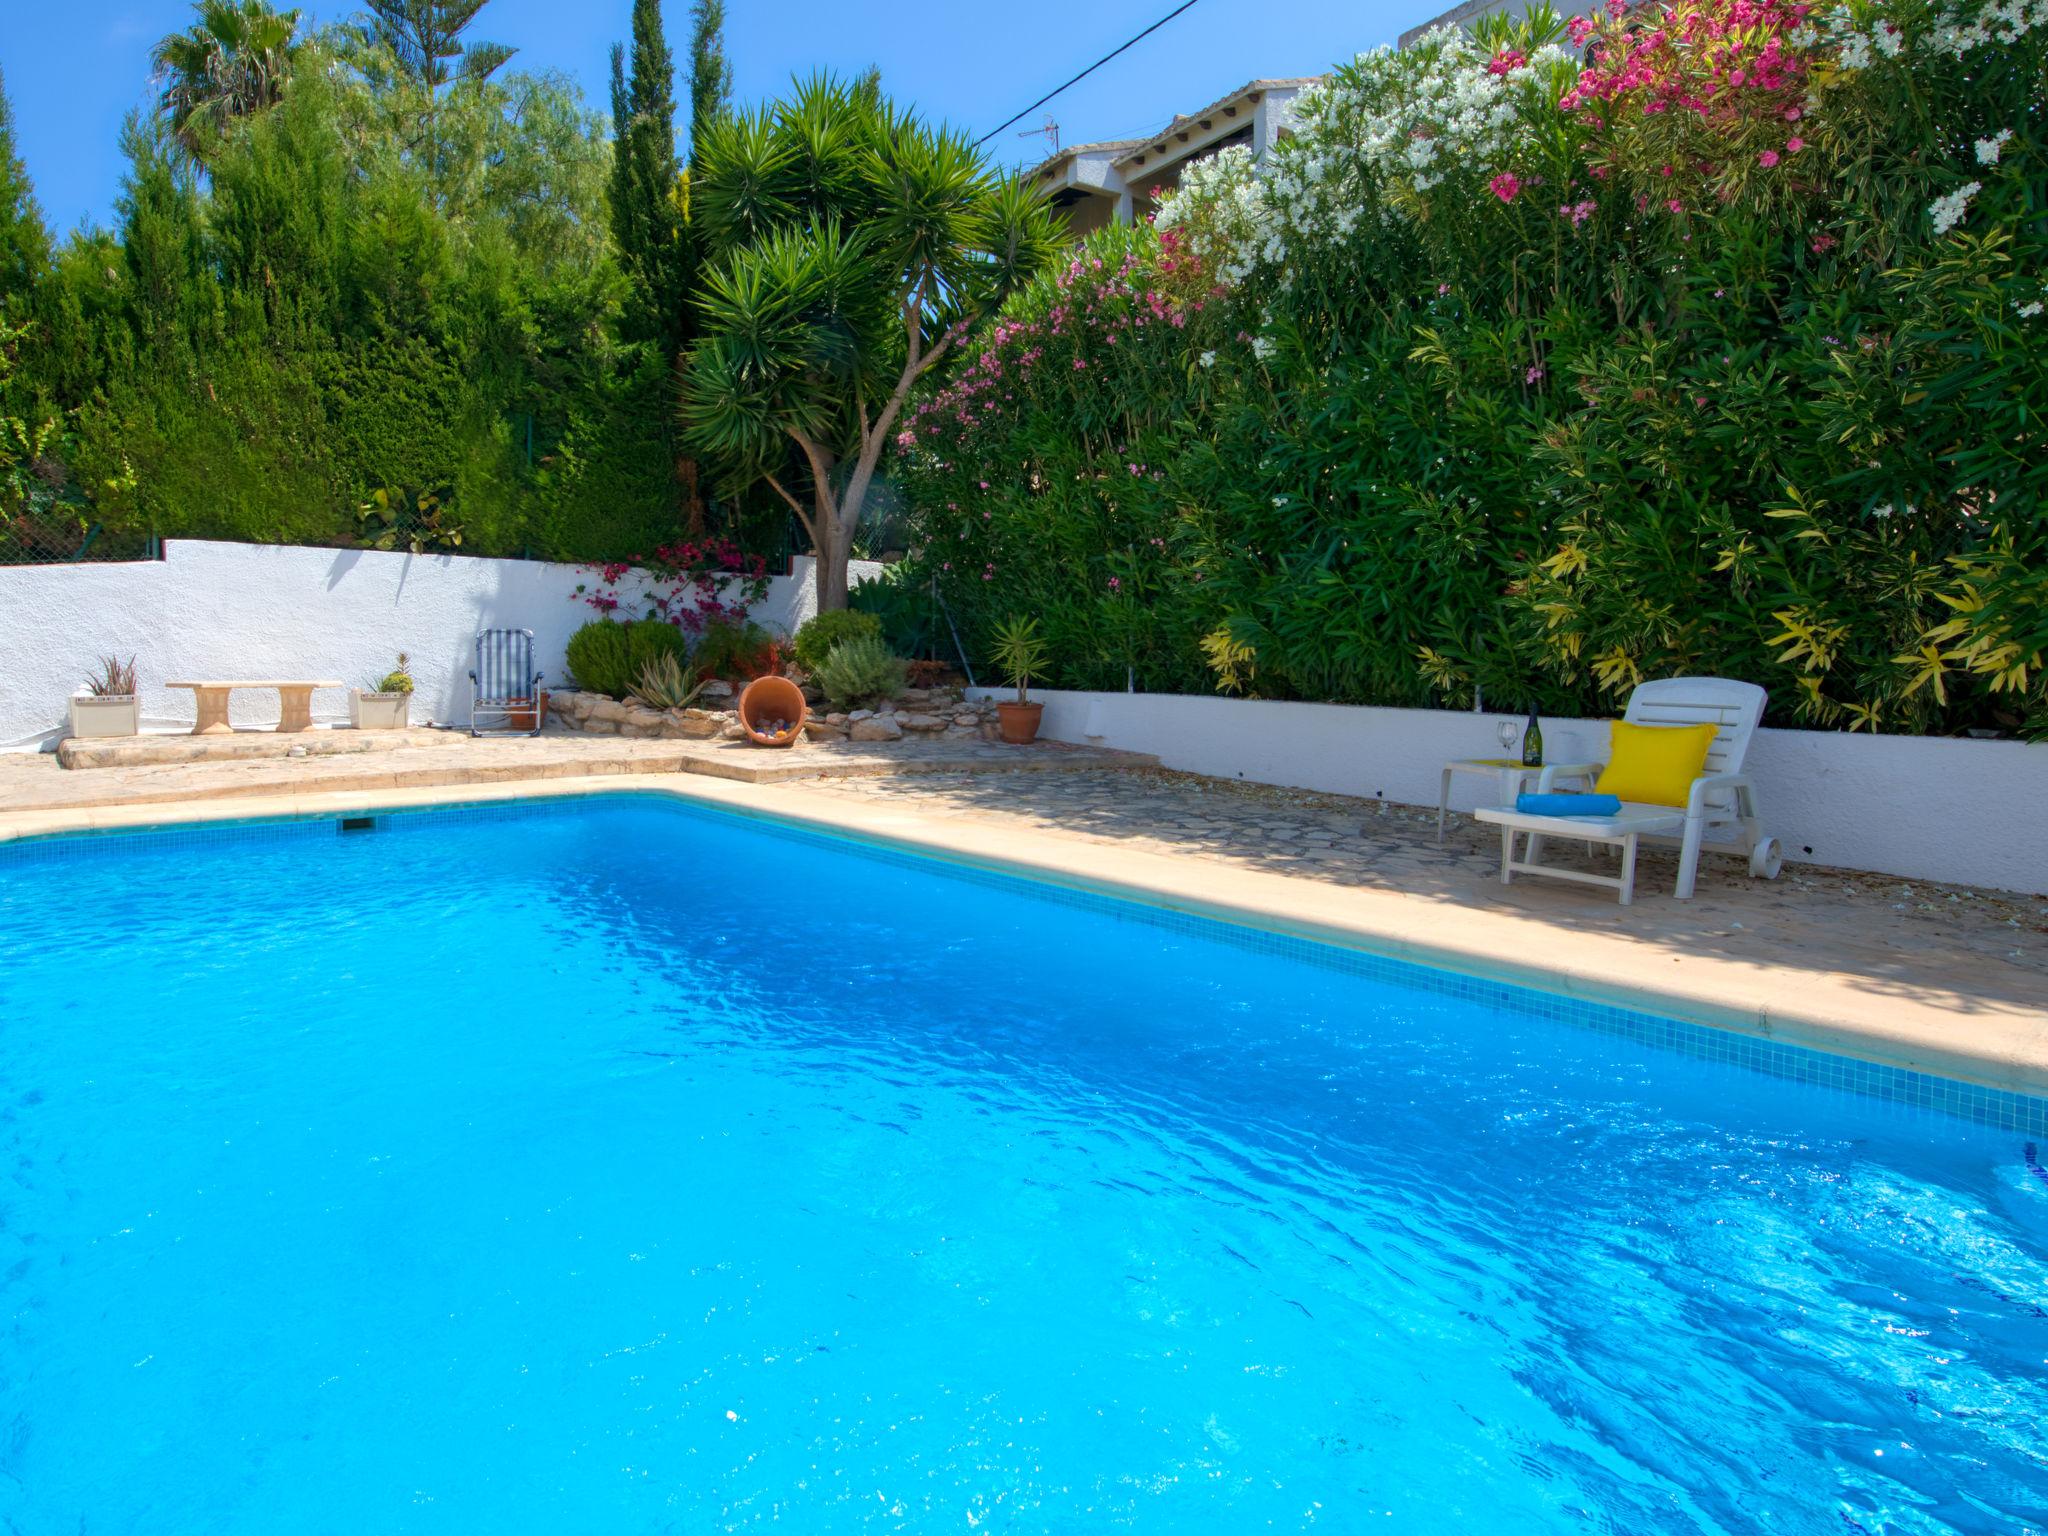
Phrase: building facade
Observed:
(1120, 181)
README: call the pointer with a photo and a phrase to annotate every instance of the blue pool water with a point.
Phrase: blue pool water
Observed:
(627, 1169)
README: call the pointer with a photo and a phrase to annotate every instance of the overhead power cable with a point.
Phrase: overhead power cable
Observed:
(1048, 96)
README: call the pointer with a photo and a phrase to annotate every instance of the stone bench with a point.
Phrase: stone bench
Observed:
(294, 702)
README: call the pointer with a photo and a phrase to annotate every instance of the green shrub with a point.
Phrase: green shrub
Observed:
(858, 672)
(647, 641)
(816, 637)
(900, 599)
(601, 656)
(733, 649)
(398, 679)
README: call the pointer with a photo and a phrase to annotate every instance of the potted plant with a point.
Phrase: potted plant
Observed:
(109, 706)
(386, 704)
(1020, 656)
(527, 714)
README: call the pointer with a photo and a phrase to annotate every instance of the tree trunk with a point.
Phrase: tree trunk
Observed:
(830, 578)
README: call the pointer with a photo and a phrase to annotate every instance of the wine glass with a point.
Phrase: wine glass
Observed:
(1506, 733)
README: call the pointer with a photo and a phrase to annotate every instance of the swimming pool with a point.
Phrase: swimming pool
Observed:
(616, 1166)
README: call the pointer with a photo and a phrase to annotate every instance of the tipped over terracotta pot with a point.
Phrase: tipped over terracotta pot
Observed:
(773, 711)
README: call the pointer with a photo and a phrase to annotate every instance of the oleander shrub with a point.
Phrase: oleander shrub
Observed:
(1718, 346)
(601, 657)
(859, 672)
(818, 634)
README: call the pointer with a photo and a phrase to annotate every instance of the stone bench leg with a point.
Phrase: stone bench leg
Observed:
(294, 709)
(212, 704)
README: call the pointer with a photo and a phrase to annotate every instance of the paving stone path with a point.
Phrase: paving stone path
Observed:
(1904, 936)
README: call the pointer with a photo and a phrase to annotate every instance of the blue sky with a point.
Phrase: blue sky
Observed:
(74, 67)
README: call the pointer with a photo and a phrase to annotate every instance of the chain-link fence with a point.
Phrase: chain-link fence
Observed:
(31, 538)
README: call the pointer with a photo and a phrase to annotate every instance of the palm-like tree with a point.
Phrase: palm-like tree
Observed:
(851, 248)
(235, 60)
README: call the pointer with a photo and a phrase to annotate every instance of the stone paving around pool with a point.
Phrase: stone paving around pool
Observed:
(421, 759)
(1912, 937)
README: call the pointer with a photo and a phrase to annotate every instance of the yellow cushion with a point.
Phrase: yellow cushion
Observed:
(1655, 764)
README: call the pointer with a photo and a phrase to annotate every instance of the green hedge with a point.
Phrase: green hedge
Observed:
(250, 355)
(1562, 399)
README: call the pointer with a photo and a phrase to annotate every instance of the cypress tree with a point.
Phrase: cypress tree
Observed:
(24, 240)
(710, 73)
(647, 216)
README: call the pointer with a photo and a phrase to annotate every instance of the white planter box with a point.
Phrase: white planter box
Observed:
(378, 711)
(115, 714)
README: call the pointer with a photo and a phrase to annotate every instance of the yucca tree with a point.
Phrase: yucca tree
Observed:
(850, 247)
(235, 60)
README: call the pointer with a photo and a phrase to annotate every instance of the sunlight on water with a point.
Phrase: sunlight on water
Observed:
(632, 1170)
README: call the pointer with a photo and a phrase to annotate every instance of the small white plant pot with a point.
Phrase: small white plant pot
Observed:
(106, 714)
(378, 711)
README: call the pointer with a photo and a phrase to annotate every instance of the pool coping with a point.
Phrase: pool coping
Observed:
(1841, 1013)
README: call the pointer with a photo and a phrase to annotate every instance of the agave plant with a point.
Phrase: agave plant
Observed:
(665, 684)
(114, 680)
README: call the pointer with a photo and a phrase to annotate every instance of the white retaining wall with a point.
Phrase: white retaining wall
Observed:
(212, 610)
(1925, 807)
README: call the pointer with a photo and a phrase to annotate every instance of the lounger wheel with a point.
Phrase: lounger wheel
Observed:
(1766, 859)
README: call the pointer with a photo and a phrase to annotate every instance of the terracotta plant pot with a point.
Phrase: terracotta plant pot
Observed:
(768, 700)
(1020, 722)
(527, 719)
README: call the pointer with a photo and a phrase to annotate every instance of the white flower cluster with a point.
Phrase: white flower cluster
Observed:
(1947, 212)
(1988, 150)
(1220, 207)
(1966, 26)
(1409, 116)
(1408, 112)
(1963, 26)
(1857, 46)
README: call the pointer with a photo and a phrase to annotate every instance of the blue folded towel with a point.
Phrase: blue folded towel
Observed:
(1567, 805)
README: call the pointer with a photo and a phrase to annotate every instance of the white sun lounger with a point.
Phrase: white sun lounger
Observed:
(1720, 797)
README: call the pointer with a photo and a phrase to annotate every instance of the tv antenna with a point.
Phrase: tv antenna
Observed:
(1050, 132)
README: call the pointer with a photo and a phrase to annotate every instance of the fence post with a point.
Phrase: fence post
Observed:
(958, 649)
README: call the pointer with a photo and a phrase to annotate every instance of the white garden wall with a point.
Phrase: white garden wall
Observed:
(1928, 808)
(210, 610)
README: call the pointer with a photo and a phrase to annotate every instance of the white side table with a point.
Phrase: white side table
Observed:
(1512, 775)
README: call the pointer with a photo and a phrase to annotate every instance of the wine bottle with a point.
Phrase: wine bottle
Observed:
(1532, 743)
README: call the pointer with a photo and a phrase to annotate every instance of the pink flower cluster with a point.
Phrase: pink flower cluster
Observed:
(1709, 57)
(1091, 306)
(692, 584)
